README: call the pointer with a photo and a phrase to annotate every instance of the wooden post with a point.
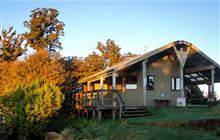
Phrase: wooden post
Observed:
(212, 87)
(93, 113)
(114, 95)
(102, 101)
(99, 114)
(182, 56)
(144, 83)
(92, 105)
(101, 87)
(87, 112)
(101, 82)
(120, 111)
(123, 84)
(88, 86)
(181, 83)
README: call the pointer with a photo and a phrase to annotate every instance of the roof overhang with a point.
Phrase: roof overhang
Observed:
(196, 60)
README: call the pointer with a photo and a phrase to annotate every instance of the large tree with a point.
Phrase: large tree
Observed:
(110, 52)
(87, 66)
(10, 45)
(44, 29)
(39, 66)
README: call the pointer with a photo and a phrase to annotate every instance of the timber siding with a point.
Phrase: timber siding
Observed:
(162, 70)
(134, 97)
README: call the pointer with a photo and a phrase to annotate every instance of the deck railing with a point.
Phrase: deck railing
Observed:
(100, 99)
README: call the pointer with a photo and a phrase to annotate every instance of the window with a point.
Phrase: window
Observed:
(131, 82)
(150, 82)
(175, 83)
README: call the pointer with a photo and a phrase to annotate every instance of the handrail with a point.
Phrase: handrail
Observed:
(119, 96)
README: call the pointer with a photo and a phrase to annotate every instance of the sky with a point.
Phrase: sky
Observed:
(136, 26)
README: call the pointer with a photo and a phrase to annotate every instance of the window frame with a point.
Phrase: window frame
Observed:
(147, 85)
(175, 83)
(131, 80)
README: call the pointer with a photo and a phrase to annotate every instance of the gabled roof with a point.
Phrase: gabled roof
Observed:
(134, 60)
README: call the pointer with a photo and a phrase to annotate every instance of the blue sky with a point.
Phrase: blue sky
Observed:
(133, 25)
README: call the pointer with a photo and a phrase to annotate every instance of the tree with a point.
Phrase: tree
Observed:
(10, 45)
(40, 65)
(44, 29)
(93, 63)
(110, 52)
(87, 66)
(70, 79)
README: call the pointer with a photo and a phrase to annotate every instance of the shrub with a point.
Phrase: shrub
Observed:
(32, 106)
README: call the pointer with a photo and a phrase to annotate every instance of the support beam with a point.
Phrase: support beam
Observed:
(199, 69)
(123, 84)
(99, 114)
(182, 56)
(93, 113)
(181, 83)
(144, 82)
(88, 86)
(212, 89)
(101, 82)
(114, 75)
(101, 87)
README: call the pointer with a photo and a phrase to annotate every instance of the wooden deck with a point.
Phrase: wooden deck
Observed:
(99, 101)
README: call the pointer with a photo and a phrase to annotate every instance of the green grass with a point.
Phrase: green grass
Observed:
(142, 128)
(182, 114)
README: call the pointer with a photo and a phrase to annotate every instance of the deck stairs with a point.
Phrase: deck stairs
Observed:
(135, 111)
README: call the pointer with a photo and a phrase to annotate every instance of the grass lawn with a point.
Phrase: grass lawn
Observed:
(164, 123)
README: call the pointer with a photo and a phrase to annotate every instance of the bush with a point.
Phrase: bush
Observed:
(32, 106)
(39, 65)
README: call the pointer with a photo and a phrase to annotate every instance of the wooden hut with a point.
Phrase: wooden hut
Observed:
(156, 78)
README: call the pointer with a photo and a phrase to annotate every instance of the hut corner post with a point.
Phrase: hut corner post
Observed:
(182, 56)
(211, 87)
(144, 83)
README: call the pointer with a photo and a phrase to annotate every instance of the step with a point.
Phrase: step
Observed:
(135, 111)
(135, 115)
(136, 108)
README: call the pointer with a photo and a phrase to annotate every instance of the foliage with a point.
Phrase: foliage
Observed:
(42, 101)
(10, 45)
(110, 52)
(87, 66)
(70, 79)
(93, 63)
(37, 66)
(44, 29)
(32, 105)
